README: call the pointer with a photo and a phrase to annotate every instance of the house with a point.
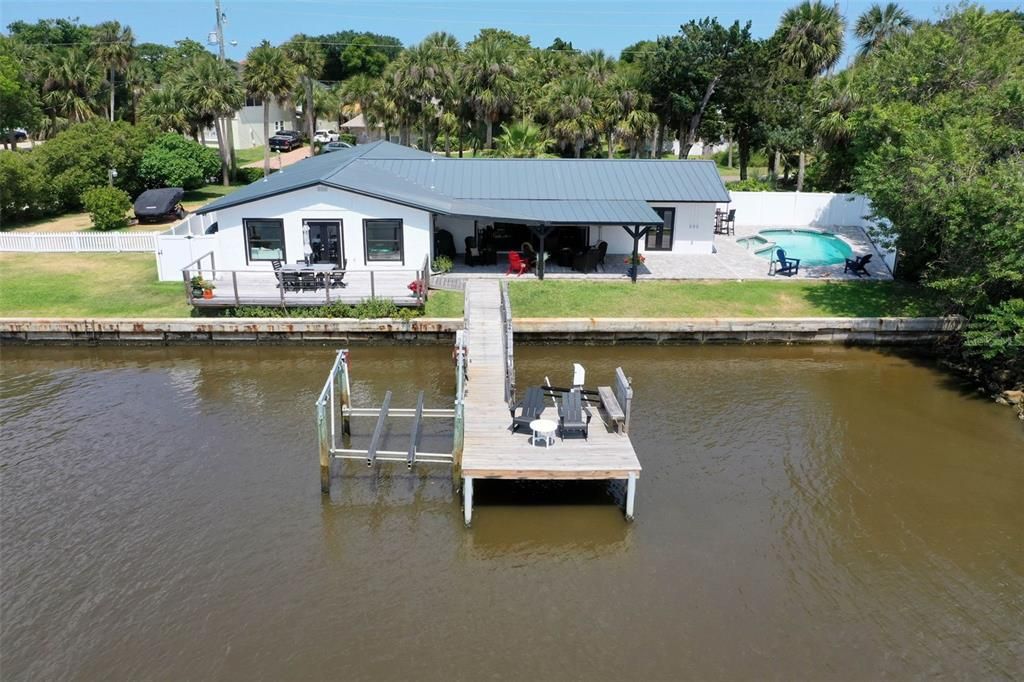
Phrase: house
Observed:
(357, 126)
(382, 207)
(247, 123)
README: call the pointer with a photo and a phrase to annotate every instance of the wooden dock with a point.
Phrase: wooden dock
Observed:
(491, 450)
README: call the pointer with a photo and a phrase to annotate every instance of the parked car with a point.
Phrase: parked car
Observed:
(155, 205)
(325, 136)
(19, 135)
(334, 146)
(285, 140)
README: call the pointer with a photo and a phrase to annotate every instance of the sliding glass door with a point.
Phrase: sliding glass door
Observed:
(326, 242)
(659, 238)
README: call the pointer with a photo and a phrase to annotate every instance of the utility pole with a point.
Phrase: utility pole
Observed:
(227, 123)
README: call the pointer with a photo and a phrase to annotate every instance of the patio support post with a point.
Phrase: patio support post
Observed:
(541, 232)
(636, 232)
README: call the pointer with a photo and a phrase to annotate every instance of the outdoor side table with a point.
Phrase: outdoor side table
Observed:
(543, 429)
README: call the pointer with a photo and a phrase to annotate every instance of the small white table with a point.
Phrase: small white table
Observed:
(543, 429)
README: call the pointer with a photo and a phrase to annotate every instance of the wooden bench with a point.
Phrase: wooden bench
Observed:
(612, 407)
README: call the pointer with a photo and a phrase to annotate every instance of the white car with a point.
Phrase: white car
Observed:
(325, 136)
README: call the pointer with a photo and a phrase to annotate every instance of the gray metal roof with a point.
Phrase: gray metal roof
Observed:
(531, 190)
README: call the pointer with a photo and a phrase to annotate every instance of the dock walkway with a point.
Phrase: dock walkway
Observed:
(491, 450)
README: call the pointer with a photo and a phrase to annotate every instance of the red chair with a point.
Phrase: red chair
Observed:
(516, 264)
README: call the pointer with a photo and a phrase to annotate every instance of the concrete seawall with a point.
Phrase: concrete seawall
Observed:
(849, 331)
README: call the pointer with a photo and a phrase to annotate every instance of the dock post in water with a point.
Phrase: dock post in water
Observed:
(346, 396)
(630, 495)
(467, 499)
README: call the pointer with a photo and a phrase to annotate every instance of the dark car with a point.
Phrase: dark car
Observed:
(155, 205)
(285, 140)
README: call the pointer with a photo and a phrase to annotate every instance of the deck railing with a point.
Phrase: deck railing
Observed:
(508, 351)
(270, 288)
(75, 242)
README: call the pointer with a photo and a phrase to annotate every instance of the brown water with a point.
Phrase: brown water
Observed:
(804, 513)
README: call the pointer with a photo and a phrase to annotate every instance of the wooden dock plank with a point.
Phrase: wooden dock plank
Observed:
(490, 449)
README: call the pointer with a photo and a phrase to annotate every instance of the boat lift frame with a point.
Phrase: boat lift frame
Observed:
(334, 405)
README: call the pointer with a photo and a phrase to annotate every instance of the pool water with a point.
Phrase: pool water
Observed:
(812, 248)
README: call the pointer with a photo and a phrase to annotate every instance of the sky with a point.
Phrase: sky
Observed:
(607, 24)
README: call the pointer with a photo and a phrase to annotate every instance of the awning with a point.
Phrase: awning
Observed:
(568, 212)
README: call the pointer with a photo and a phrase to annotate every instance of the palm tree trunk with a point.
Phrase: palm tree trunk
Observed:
(225, 160)
(490, 133)
(578, 147)
(111, 94)
(611, 144)
(800, 172)
(730, 149)
(309, 113)
(684, 141)
(266, 137)
(776, 164)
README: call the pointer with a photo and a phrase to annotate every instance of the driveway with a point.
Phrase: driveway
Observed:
(286, 159)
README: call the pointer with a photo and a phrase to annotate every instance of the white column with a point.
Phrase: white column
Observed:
(467, 499)
(630, 496)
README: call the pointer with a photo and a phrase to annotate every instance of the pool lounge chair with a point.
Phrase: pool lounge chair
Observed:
(858, 265)
(571, 415)
(531, 407)
(781, 265)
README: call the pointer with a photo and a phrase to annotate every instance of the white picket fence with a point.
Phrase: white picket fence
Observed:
(73, 242)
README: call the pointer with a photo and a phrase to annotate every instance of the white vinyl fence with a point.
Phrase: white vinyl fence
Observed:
(73, 242)
(792, 209)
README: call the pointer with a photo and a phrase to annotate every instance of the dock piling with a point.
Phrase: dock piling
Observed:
(630, 495)
(467, 500)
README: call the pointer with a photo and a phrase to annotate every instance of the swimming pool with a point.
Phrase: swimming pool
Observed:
(811, 247)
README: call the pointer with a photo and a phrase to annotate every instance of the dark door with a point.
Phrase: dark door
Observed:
(326, 241)
(659, 238)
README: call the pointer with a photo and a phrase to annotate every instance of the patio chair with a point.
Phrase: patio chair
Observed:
(516, 264)
(531, 407)
(529, 254)
(729, 222)
(335, 278)
(858, 265)
(783, 265)
(290, 280)
(472, 253)
(602, 251)
(586, 261)
(276, 264)
(571, 415)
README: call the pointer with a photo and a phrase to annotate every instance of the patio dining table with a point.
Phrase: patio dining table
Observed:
(312, 267)
(319, 273)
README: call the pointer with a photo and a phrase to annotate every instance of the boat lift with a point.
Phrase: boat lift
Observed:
(334, 408)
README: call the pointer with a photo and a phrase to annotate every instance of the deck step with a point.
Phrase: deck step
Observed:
(448, 283)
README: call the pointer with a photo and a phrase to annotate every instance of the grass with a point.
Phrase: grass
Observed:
(86, 285)
(244, 156)
(563, 298)
(444, 304)
(81, 222)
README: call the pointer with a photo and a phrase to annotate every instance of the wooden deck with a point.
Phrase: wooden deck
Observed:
(490, 449)
(260, 288)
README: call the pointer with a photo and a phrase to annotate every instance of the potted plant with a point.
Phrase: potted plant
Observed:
(197, 286)
(634, 262)
(208, 289)
(441, 265)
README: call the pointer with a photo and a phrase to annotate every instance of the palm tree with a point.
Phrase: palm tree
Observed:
(524, 139)
(834, 101)
(574, 120)
(489, 78)
(359, 93)
(139, 82)
(309, 57)
(212, 89)
(70, 83)
(812, 37)
(268, 74)
(164, 109)
(878, 24)
(115, 50)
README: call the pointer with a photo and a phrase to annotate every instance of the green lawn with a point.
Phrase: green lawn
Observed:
(564, 298)
(86, 285)
(444, 304)
(244, 156)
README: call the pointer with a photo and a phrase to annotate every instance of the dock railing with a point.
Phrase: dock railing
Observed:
(507, 348)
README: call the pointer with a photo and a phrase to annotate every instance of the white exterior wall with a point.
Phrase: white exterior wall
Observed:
(693, 231)
(322, 204)
(247, 125)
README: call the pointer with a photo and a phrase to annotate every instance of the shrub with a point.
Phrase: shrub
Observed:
(750, 185)
(756, 160)
(247, 176)
(996, 339)
(81, 156)
(347, 137)
(368, 309)
(173, 161)
(108, 207)
(442, 264)
(23, 190)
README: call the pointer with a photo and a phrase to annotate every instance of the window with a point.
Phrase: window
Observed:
(253, 101)
(383, 240)
(264, 239)
(659, 237)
